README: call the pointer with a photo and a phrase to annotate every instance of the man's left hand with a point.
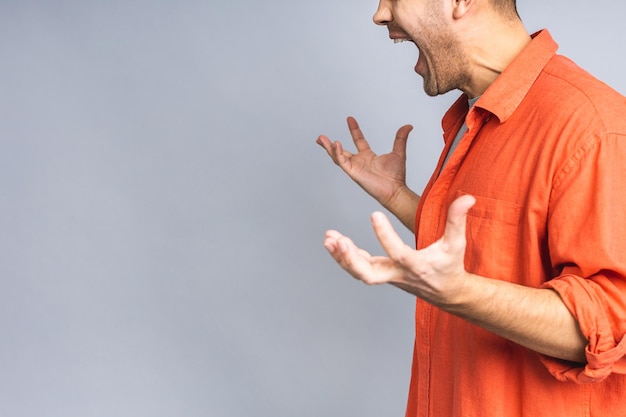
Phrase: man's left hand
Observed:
(436, 273)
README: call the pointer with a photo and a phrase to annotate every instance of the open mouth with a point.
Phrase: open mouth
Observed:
(418, 64)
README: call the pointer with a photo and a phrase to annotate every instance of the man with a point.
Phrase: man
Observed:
(520, 272)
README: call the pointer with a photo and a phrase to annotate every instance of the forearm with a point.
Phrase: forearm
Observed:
(534, 318)
(403, 205)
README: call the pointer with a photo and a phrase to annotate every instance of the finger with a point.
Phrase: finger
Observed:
(353, 259)
(393, 245)
(334, 149)
(336, 242)
(349, 256)
(333, 234)
(454, 233)
(399, 144)
(323, 141)
(357, 136)
(363, 266)
(340, 155)
(330, 240)
(359, 263)
(327, 144)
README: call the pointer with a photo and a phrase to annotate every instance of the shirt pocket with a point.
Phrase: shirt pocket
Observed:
(492, 237)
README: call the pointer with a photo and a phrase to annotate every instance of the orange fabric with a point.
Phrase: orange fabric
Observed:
(545, 157)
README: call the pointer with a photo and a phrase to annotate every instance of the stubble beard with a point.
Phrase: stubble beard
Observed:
(446, 64)
(446, 74)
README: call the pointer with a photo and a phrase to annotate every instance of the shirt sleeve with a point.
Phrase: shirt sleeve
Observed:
(587, 244)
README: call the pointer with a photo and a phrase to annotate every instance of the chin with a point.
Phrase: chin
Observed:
(434, 88)
(431, 89)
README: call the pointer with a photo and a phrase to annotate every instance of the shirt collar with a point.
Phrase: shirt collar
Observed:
(508, 90)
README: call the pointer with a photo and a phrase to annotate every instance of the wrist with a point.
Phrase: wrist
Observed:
(403, 204)
(469, 293)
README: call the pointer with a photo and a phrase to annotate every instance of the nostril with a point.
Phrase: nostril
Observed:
(383, 15)
(380, 20)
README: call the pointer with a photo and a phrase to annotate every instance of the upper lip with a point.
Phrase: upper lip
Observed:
(397, 39)
(397, 35)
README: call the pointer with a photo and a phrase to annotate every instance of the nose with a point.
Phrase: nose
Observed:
(383, 15)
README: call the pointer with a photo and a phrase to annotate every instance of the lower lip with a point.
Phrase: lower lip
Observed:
(417, 64)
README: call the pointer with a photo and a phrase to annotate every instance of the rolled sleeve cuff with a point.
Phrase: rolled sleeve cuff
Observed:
(605, 352)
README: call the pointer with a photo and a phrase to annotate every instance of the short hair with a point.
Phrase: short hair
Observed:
(507, 8)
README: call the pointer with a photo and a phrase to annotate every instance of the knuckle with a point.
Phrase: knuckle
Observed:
(400, 256)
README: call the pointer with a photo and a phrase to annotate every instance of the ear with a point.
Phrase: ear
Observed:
(461, 7)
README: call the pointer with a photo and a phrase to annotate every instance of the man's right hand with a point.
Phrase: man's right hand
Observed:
(381, 176)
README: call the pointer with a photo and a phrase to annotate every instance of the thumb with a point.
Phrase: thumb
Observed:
(454, 234)
(399, 144)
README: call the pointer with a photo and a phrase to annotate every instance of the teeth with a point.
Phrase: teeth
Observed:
(399, 40)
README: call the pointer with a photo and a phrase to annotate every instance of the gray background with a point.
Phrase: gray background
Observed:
(163, 203)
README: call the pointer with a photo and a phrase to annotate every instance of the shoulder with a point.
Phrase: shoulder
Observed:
(575, 96)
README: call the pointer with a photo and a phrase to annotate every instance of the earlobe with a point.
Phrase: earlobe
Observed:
(461, 7)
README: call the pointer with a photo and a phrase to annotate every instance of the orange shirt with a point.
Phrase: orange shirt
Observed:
(545, 157)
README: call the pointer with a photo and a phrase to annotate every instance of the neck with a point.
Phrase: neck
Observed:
(491, 47)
